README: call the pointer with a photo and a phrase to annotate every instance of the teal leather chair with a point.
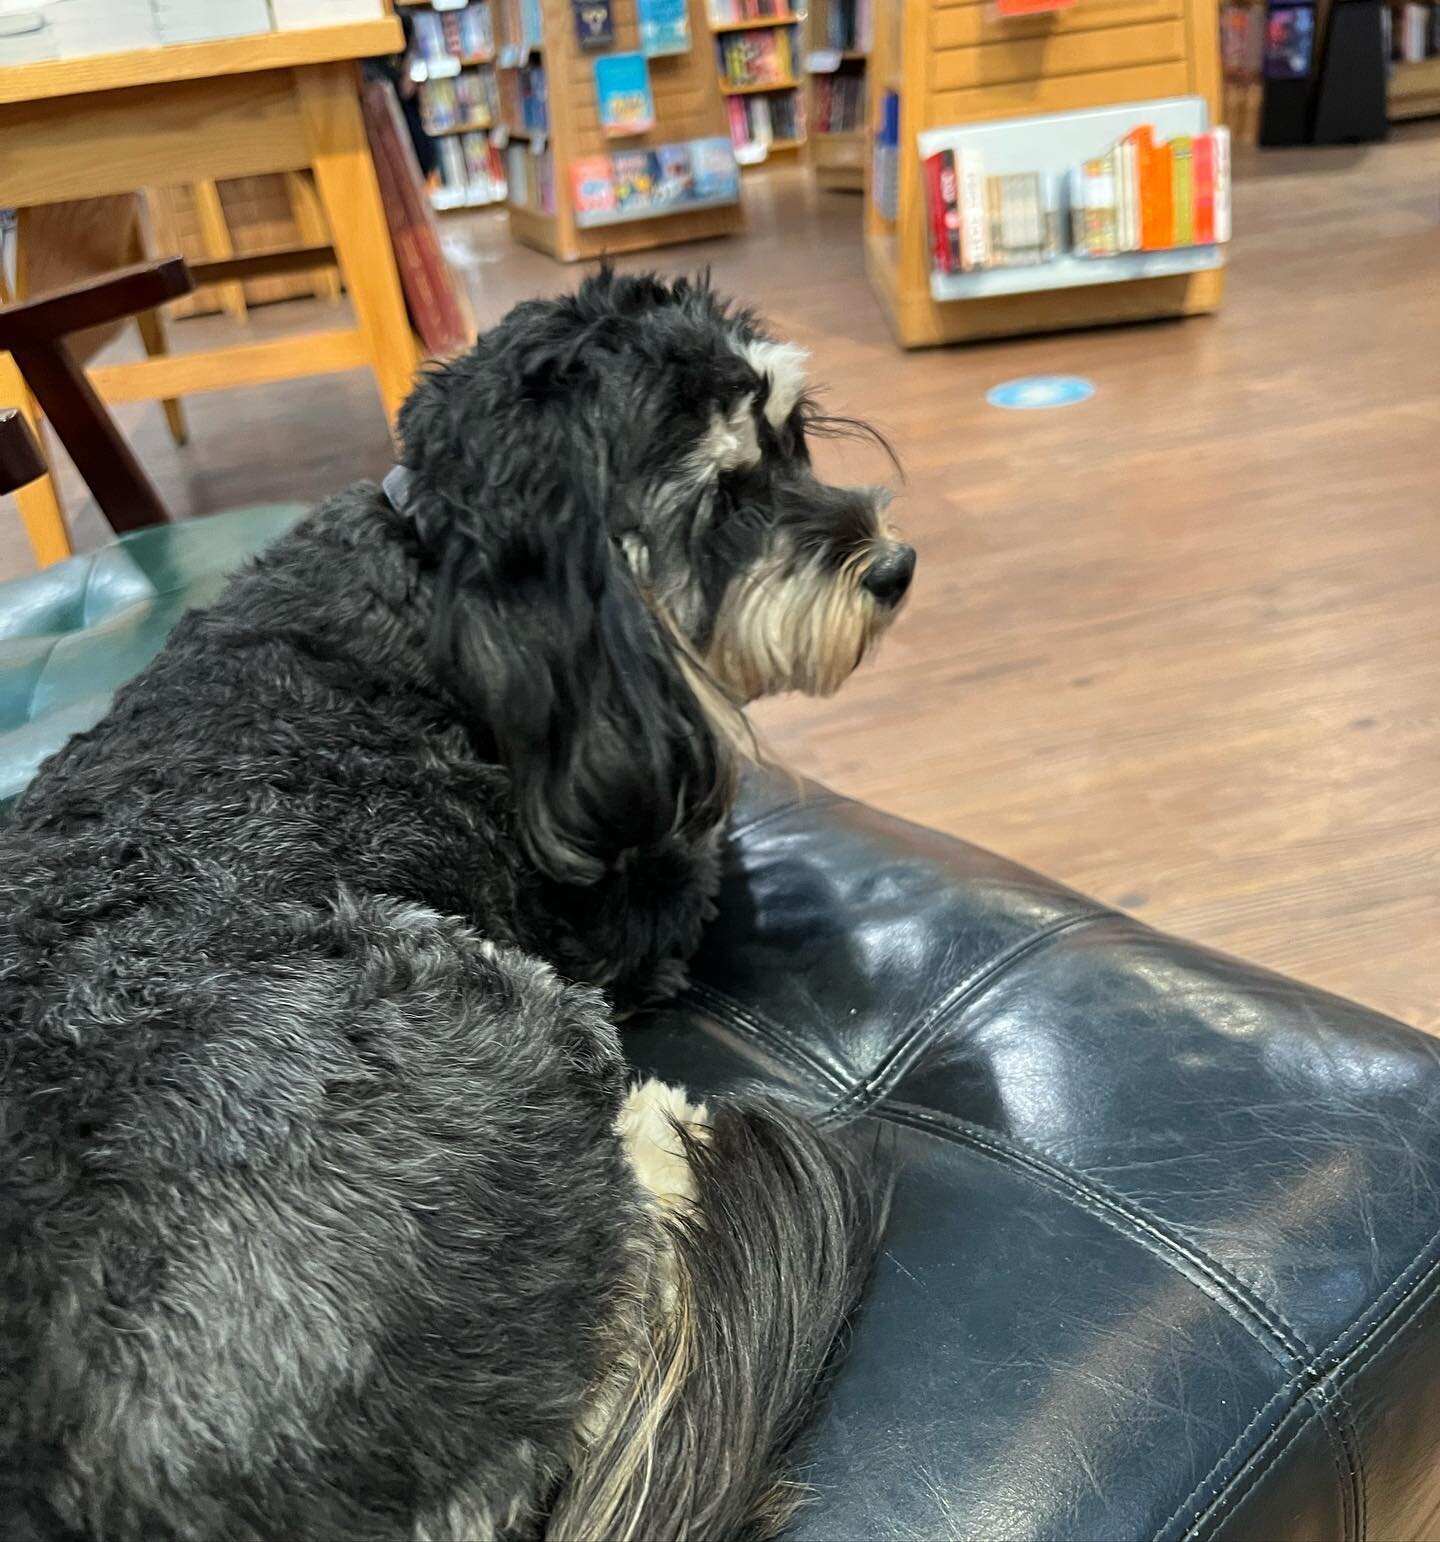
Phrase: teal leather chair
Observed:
(72, 633)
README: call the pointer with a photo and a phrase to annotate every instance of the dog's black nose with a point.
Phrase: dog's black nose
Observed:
(888, 577)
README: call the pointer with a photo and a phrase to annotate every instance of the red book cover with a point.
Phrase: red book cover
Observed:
(435, 308)
(935, 201)
(1202, 166)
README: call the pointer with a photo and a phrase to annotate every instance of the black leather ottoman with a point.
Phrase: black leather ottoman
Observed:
(1165, 1253)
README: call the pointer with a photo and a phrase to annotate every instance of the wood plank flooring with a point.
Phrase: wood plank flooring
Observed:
(1178, 646)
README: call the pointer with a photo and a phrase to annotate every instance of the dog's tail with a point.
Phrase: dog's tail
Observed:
(760, 1235)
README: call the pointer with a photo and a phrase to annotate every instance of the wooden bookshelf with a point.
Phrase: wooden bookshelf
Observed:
(756, 152)
(688, 106)
(1414, 90)
(837, 156)
(458, 189)
(954, 62)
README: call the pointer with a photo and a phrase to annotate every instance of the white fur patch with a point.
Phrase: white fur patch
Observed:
(731, 441)
(783, 364)
(646, 1126)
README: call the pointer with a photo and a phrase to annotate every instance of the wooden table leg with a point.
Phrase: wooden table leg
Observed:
(345, 178)
(310, 226)
(215, 233)
(39, 501)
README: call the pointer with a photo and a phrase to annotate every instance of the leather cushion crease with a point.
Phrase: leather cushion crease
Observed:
(1164, 1259)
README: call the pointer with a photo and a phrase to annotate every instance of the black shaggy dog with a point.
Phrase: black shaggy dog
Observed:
(325, 1209)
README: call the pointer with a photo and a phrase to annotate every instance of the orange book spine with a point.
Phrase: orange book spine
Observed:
(1203, 162)
(1161, 195)
(1143, 138)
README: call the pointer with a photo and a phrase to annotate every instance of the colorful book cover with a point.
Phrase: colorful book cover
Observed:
(664, 26)
(634, 174)
(1162, 192)
(590, 180)
(594, 25)
(714, 168)
(1183, 182)
(1142, 138)
(1202, 163)
(675, 174)
(622, 88)
(1289, 42)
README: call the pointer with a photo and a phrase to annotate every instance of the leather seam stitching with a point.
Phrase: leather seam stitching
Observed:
(1381, 1341)
(878, 1082)
(36, 683)
(1149, 1231)
(1228, 1499)
(758, 1026)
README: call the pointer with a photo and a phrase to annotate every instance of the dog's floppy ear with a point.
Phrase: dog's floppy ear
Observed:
(541, 632)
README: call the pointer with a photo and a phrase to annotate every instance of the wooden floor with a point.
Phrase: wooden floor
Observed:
(1178, 646)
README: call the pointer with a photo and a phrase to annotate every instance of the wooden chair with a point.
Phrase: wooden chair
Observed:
(36, 334)
(20, 459)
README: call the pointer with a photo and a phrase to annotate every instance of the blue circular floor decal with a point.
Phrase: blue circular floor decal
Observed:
(1041, 391)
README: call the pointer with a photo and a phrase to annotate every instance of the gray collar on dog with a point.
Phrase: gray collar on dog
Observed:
(396, 487)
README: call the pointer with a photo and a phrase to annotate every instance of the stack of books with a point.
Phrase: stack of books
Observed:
(530, 178)
(642, 184)
(723, 11)
(762, 58)
(467, 100)
(761, 120)
(1414, 33)
(839, 103)
(523, 100)
(849, 25)
(1140, 196)
(472, 172)
(453, 37)
(522, 28)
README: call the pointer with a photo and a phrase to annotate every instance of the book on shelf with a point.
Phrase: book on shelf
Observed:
(469, 99)
(1414, 33)
(530, 178)
(723, 12)
(886, 170)
(761, 120)
(523, 99)
(623, 97)
(839, 103)
(849, 26)
(1289, 41)
(664, 27)
(437, 37)
(1137, 196)
(472, 172)
(638, 184)
(762, 58)
(521, 25)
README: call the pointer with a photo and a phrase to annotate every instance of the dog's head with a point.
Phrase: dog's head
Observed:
(632, 543)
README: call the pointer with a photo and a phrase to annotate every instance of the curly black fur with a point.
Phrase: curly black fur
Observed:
(313, 1219)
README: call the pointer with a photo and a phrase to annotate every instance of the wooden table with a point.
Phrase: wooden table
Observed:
(275, 102)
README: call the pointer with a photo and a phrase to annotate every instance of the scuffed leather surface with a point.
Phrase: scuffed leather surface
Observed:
(1165, 1250)
(1164, 1259)
(71, 633)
